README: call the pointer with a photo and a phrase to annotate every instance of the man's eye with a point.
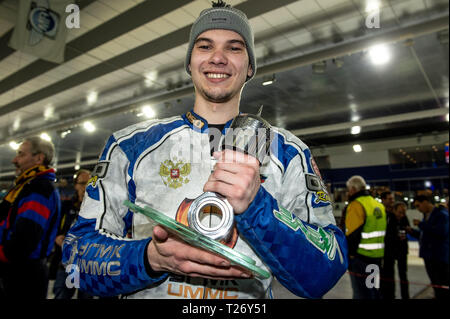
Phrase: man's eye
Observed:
(204, 47)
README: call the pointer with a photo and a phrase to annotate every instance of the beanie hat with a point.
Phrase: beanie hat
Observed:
(222, 16)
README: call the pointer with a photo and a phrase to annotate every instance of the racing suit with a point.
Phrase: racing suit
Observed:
(288, 229)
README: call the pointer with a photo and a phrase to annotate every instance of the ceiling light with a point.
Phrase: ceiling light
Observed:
(372, 5)
(355, 118)
(49, 112)
(77, 167)
(46, 137)
(16, 124)
(357, 148)
(427, 184)
(150, 78)
(14, 145)
(367, 187)
(148, 112)
(65, 133)
(92, 98)
(447, 118)
(379, 54)
(88, 126)
(356, 130)
(268, 80)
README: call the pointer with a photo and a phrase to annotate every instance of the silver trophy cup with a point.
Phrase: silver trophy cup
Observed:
(251, 135)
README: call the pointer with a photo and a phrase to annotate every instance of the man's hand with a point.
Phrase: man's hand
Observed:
(236, 177)
(167, 253)
(59, 240)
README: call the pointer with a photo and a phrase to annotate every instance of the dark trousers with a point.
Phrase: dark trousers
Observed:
(388, 276)
(359, 277)
(61, 291)
(438, 272)
(25, 280)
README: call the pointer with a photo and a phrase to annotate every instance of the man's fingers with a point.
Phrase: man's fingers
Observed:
(160, 234)
(228, 156)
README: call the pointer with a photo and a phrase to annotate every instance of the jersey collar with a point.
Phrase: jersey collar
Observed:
(198, 123)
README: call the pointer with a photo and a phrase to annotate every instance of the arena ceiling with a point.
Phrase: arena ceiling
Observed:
(128, 54)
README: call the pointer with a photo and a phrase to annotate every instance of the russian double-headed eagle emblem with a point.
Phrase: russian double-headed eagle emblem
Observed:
(175, 173)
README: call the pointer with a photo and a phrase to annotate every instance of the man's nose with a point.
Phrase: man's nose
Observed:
(218, 57)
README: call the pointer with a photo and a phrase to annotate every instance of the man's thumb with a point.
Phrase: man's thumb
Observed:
(160, 234)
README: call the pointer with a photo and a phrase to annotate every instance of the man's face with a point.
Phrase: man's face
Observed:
(400, 212)
(80, 185)
(25, 159)
(219, 65)
(388, 202)
(421, 206)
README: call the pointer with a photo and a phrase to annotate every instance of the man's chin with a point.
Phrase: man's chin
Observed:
(218, 98)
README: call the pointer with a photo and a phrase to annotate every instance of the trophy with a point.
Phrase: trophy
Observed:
(251, 135)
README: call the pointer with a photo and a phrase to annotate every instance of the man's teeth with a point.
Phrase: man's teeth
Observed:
(217, 76)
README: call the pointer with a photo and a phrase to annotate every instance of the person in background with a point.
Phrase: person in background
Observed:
(387, 199)
(396, 249)
(65, 192)
(70, 209)
(365, 227)
(433, 235)
(29, 218)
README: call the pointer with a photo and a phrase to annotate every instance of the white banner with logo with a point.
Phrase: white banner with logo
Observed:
(40, 29)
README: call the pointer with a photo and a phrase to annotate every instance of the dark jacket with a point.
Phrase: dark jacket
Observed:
(27, 235)
(433, 236)
(69, 214)
(394, 247)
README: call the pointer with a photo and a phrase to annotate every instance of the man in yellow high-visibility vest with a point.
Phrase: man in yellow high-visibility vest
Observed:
(365, 228)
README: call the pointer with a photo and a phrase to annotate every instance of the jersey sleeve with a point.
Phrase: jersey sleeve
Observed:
(293, 229)
(102, 260)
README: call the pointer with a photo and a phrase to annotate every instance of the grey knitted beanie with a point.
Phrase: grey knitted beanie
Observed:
(222, 16)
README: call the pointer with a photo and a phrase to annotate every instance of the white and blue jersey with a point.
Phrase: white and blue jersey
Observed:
(289, 228)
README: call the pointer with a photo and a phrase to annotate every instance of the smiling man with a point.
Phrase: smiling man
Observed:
(283, 214)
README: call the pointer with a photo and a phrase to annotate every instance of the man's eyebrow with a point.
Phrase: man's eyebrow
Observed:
(233, 41)
(237, 41)
(203, 39)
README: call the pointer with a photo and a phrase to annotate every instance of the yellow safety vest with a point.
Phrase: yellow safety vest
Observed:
(374, 229)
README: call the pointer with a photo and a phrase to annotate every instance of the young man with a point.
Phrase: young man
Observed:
(433, 237)
(286, 225)
(29, 220)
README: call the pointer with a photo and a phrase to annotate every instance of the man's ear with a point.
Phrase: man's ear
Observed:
(41, 159)
(250, 71)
